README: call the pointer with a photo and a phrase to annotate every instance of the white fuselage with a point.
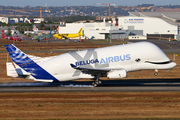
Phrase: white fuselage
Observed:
(129, 57)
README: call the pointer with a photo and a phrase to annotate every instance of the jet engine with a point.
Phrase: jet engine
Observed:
(117, 74)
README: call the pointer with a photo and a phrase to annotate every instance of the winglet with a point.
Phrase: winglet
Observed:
(73, 66)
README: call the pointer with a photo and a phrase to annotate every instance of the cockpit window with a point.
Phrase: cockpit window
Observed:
(138, 60)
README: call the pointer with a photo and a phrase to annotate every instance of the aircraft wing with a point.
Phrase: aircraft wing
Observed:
(91, 71)
(63, 36)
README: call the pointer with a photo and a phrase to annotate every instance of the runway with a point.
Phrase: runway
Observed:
(106, 86)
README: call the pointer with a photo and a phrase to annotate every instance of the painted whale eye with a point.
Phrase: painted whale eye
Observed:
(138, 60)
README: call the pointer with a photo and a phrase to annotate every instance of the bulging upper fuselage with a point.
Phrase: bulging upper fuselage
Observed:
(128, 57)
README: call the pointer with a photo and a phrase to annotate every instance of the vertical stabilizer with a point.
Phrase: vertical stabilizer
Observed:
(27, 64)
(50, 32)
(80, 31)
(3, 35)
(35, 28)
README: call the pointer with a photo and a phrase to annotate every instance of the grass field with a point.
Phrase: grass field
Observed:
(90, 105)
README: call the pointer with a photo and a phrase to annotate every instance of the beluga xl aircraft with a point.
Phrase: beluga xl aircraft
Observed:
(112, 62)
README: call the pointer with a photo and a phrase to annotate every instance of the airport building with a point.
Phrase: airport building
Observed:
(38, 20)
(138, 25)
(97, 30)
(153, 24)
(4, 19)
(19, 20)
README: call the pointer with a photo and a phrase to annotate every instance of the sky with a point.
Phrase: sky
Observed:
(60, 3)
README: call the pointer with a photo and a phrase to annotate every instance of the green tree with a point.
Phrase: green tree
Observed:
(9, 32)
(29, 35)
(41, 25)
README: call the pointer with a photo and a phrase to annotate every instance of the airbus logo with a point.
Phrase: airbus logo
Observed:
(115, 59)
(104, 60)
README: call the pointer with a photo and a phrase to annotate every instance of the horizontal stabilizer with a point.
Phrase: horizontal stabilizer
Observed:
(11, 70)
(21, 72)
(14, 71)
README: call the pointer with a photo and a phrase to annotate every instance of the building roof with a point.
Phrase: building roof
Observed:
(170, 17)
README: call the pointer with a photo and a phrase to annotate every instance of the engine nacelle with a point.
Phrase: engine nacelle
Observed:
(117, 74)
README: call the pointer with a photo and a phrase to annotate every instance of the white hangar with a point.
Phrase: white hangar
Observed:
(158, 24)
(148, 24)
